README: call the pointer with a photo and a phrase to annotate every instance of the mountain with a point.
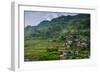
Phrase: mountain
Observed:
(60, 26)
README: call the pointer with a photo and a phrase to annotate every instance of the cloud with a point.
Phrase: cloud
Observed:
(33, 18)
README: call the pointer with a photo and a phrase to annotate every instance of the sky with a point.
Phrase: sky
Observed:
(33, 18)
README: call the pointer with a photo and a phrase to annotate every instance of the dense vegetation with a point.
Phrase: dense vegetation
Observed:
(64, 37)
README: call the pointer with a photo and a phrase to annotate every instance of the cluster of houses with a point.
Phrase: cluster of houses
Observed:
(72, 46)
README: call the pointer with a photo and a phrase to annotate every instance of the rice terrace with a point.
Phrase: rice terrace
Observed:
(56, 36)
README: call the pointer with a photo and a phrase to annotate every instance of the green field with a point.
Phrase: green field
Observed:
(39, 49)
